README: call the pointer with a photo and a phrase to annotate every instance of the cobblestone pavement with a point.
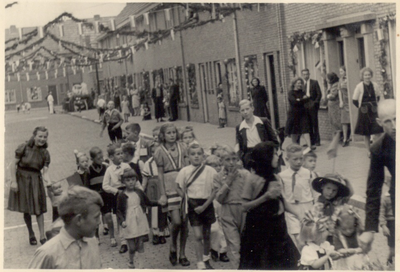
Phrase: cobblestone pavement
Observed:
(68, 133)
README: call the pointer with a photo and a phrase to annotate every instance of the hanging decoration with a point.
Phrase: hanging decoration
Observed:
(383, 27)
(296, 39)
(191, 70)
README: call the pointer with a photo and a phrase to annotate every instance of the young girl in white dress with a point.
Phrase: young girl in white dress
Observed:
(130, 212)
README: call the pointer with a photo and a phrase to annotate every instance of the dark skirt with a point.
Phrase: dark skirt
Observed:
(298, 122)
(266, 245)
(31, 196)
(366, 121)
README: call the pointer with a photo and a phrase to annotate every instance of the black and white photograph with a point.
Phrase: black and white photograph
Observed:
(199, 136)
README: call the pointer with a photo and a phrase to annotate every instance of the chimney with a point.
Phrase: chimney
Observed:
(13, 29)
(97, 17)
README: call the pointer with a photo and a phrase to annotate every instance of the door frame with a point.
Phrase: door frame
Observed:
(203, 88)
(268, 82)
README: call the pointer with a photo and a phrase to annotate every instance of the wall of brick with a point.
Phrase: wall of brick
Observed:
(209, 43)
(301, 17)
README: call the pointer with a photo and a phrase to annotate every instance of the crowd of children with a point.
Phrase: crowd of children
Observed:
(158, 186)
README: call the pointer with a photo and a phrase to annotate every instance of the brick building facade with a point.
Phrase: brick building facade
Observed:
(35, 89)
(253, 43)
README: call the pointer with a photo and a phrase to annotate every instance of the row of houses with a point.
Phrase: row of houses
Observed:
(32, 78)
(201, 45)
(272, 42)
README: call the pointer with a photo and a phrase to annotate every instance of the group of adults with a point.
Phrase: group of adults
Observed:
(166, 99)
(274, 250)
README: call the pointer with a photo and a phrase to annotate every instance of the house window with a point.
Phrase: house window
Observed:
(10, 97)
(361, 52)
(232, 80)
(179, 79)
(34, 94)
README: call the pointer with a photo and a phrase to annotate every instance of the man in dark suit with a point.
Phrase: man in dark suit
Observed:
(173, 99)
(383, 153)
(312, 90)
(251, 131)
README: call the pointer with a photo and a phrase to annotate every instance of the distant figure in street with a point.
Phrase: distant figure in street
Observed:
(75, 247)
(313, 91)
(125, 108)
(333, 102)
(383, 153)
(101, 106)
(135, 101)
(27, 107)
(221, 112)
(259, 97)
(117, 99)
(344, 106)
(50, 100)
(173, 99)
(113, 120)
(157, 95)
(365, 97)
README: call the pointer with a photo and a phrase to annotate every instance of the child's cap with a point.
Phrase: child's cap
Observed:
(343, 190)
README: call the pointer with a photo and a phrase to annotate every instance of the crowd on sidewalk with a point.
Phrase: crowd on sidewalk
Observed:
(269, 207)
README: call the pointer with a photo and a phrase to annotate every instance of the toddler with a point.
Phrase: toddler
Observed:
(310, 162)
(317, 252)
(146, 113)
(345, 241)
(218, 243)
(130, 212)
(125, 108)
(221, 112)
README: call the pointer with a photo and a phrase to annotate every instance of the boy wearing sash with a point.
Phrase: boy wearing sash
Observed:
(196, 189)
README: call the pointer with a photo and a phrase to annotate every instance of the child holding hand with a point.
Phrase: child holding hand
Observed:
(130, 212)
(317, 254)
(345, 241)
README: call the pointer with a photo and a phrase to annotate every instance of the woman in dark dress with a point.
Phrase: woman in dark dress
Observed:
(366, 97)
(259, 97)
(265, 242)
(157, 95)
(30, 199)
(298, 122)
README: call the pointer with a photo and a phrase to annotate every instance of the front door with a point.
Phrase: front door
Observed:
(53, 90)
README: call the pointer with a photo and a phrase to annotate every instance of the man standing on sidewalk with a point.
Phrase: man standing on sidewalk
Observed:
(313, 91)
(173, 100)
(383, 153)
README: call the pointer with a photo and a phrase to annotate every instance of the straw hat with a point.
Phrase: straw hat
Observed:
(343, 190)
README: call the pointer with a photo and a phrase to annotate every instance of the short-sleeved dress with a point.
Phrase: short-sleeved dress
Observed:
(345, 111)
(136, 219)
(135, 98)
(30, 197)
(333, 107)
(125, 107)
(171, 164)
